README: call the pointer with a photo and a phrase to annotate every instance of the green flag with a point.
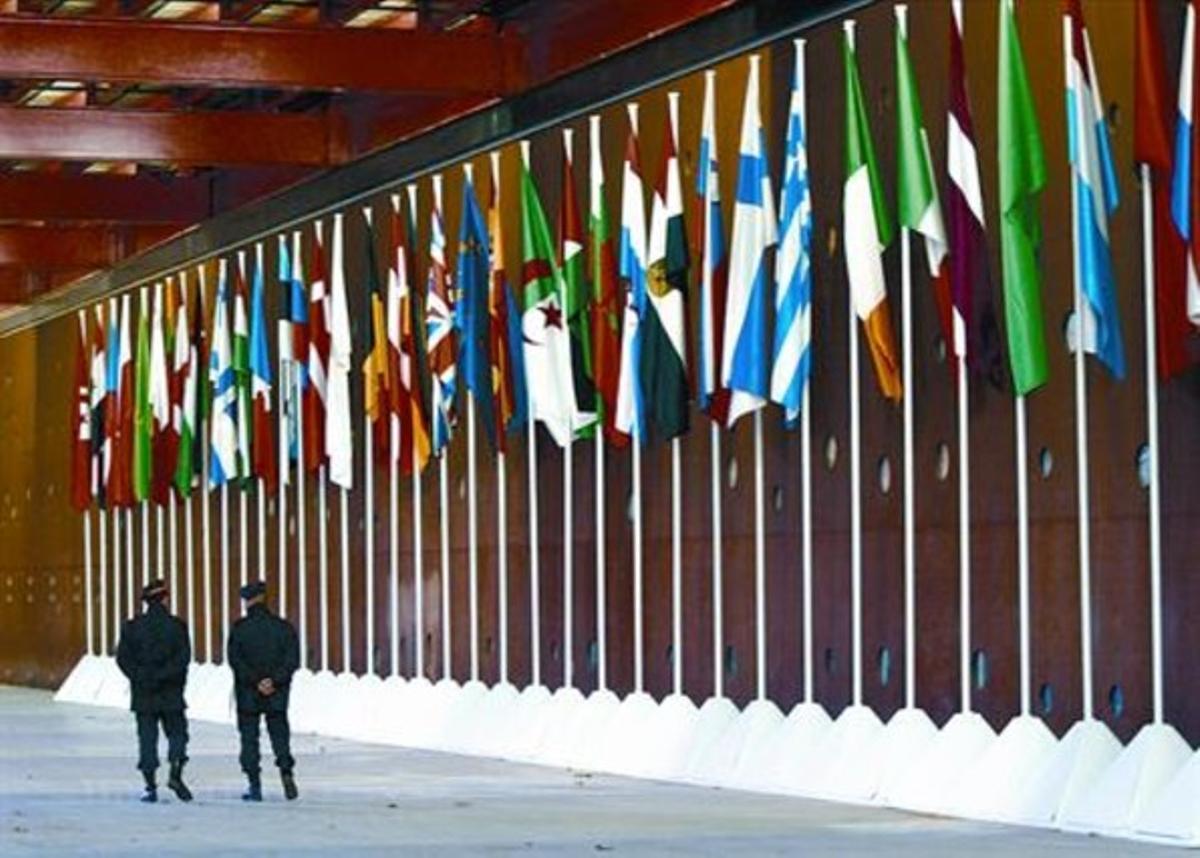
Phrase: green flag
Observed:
(1022, 177)
(142, 415)
(575, 297)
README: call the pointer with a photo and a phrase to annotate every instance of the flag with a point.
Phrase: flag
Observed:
(867, 231)
(975, 332)
(376, 381)
(242, 379)
(507, 364)
(792, 355)
(223, 461)
(120, 386)
(400, 416)
(663, 329)
(1095, 197)
(1022, 178)
(1152, 146)
(200, 362)
(712, 395)
(575, 295)
(547, 347)
(606, 292)
(416, 445)
(98, 404)
(339, 438)
(293, 344)
(744, 354)
(317, 365)
(164, 443)
(264, 453)
(81, 424)
(439, 331)
(1185, 182)
(143, 417)
(631, 413)
(473, 319)
(185, 367)
(919, 208)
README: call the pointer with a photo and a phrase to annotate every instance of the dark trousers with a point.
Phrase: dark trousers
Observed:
(174, 725)
(281, 740)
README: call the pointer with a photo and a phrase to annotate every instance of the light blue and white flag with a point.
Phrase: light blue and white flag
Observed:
(1186, 163)
(713, 398)
(744, 366)
(223, 429)
(631, 262)
(1095, 196)
(793, 262)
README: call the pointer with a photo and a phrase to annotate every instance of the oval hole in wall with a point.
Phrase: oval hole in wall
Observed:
(980, 669)
(831, 452)
(1046, 698)
(884, 469)
(731, 472)
(830, 660)
(1141, 462)
(885, 665)
(593, 655)
(1116, 700)
(942, 461)
(555, 651)
(462, 488)
(831, 242)
(1045, 463)
(939, 348)
(777, 498)
(731, 661)
(489, 645)
(669, 652)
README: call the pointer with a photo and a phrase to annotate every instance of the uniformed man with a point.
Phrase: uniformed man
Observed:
(154, 653)
(264, 652)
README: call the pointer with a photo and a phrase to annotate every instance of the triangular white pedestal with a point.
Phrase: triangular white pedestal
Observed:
(997, 787)
(852, 760)
(1174, 815)
(562, 735)
(495, 721)
(669, 737)
(360, 708)
(1133, 781)
(797, 747)
(84, 680)
(719, 766)
(420, 714)
(387, 722)
(626, 741)
(114, 687)
(925, 779)
(531, 720)
(457, 726)
(713, 721)
(596, 715)
(214, 695)
(754, 767)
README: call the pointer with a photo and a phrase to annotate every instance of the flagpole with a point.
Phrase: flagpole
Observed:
(102, 538)
(806, 538)
(88, 605)
(418, 570)
(910, 558)
(1081, 438)
(676, 570)
(189, 556)
(323, 561)
(205, 530)
(130, 548)
(717, 567)
(116, 594)
(394, 549)
(146, 542)
(535, 620)
(760, 567)
(369, 486)
(284, 346)
(502, 548)
(158, 536)
(1022, 557)
(473, 536)
(638, 619)
(173, 553)
(301, 521)
(444, 516)
(344, 546)
(964, 540)
(855, 512)
(1148, 263)
(224, 569)
(601, 571)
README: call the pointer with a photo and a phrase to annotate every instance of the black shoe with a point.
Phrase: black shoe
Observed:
(150, 796)
(289, 786)
(176, 785)
(254, 790)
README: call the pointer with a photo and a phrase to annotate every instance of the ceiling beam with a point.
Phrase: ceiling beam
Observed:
(103, 198)
(206, 138)
(76, 248)
(251, 56)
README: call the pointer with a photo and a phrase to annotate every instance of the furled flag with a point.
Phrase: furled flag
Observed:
(867, 230)
(143, 416)
(416, 446)
(472, 317)
(507, 360)
(793, 263)
(400, 418)
(293, 343)
(1185, 183)
(98, 404)
(439, 330)
(264, 453)
(223, 426)
(1152, 147)
(975, 333)
(712, 395)
(543, 323)
(663, 366)
(575, 294)
(631, 413)
(606, 292)
(339, 438)
(164, 442)
(1095, 196)
(120, 386)
(242, 378)
(920, 210)
(185, 368)
(1022, 178)
(317, 365)
(81, 424)
(744, 348)
(377, 384)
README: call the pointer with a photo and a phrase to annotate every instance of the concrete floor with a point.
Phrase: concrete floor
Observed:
(68, 787)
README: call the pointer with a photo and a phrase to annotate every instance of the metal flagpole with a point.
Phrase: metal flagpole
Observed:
(285, 347)
(444, 515)
(638, 619)
(116, 592)
(473, 537)
(344, 545)
(301, 514)
(1022, 559)
(535, 600)
(173, 555)
(130, 548)
(146, 543)
(87, 582)
(601, 576)
(102, 533)
(910, 554)
(1156, 645)
(323, 561)
(205, 532)
(855, 513)
(369, 524)
(224, 636)
(394, 548)
(502, 550)
(189, 559)
(806, 536)
(760, 565)
(717, 569)
(568, 634)
(418, 571)
(243, 559)
(964, 541)
(676, 569)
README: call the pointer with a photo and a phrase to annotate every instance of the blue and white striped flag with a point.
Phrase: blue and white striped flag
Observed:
(744, 363)
(631, 410)
(224, 432)
(1187, 164)
(713, 399)
(1095, 196)
(793, 263)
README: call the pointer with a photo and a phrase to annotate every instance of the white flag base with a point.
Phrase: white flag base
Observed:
(908, 736)
(712, 722)
(1174, 816)
(598, 712)
(496, 721)
(344, 717)
(461, 709)
(420, 713)
(997, 787)
(669, 737)
(214, 695)
(754, 767)
(1136, 777)
(797, 748)
(531, 721)
(928, 782)
(626, 741)
(364, 699)
(305, 703)
(114, 687)
(722, 764)
(84, 680)
(851, 762)
(392, 710)
(563, 731)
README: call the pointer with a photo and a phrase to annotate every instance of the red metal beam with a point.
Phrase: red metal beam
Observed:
(76, 248)
(234, 55)
(103, 198)
(193, 138)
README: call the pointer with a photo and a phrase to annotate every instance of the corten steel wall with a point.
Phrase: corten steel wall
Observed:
(40, 564)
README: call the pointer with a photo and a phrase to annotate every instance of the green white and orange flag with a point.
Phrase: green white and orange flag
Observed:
(867, 230)
(143, 417)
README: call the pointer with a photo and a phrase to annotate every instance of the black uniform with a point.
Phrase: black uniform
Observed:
(263, 645)
(154, 653)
